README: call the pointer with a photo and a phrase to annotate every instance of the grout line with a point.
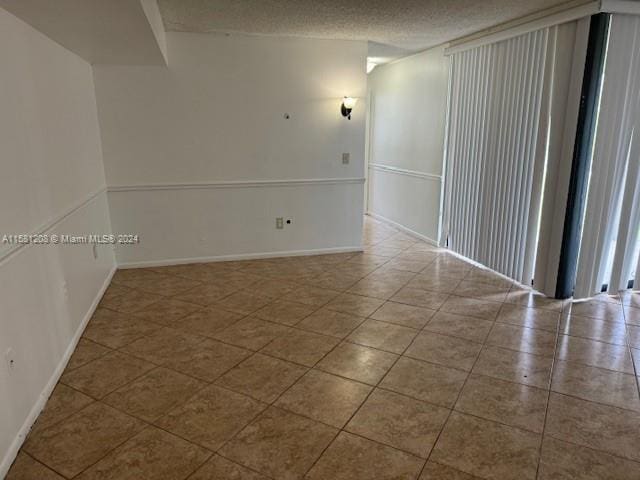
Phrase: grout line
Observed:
(551, 374)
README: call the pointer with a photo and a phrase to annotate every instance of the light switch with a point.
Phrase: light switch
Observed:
(345, 158)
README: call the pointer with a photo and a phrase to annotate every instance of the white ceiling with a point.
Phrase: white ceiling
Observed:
(394, 27)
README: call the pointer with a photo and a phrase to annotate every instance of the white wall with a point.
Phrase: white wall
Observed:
(51, 178)
(215, 116)
(406, 139)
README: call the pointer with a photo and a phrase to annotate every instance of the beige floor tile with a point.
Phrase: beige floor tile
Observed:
(270, 288)
(313, 296)
(529, 298)
(251, 333)
(565, 461)
(130, 302)
(383, 251)
(596, 384)
(102, 376)
(631, 298)
(369, 259)
(510, 403)
(461, 326)
(635, 353)
(596, 354)
(593, 425)
(471, 307)
(435, 471)
(482, 291)
(193, 271)
(114, 330)
(324, 397)
(26, 468)
(299, 346)
(632, 315)
(377, 287)
(154, 394)
(355, 304)
(358, 363)
(167, 285)
(261, 377)
(407, 265)
(280, 444)
(151, 454)
(237, 279)
(444, 350)
(434, 283)
(634, 336)
(207, 321)
(487, 449)
(350, 457)
(441, 268)
(420, 298)
(383, 336)
(333, 280)
(207, 294)
(425, 381)
(388, 274)
(243, 302)
(162, 345)
(522, 339)
(71, 446)
(529, 317)
(483, 275)
(208, 360)
(601, 310)
(63, 402)
(212, 417)
(167, 311)
(133, 276)
(219, 468)
(515, 366)
(594, 329)
(114, 290)
(85, 352)
(329, 322)
(400, 422)
(287, 313)
(401, 314)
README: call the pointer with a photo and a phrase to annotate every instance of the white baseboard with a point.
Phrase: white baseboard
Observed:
(244, 256)
(404, 229)
(46, 393)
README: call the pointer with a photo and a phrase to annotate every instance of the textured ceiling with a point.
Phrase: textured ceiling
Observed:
(400, 26)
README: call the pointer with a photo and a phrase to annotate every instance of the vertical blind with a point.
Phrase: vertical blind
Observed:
(497, 148)
(610, 239)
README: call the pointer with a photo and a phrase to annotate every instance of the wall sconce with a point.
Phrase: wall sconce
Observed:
(347, 105)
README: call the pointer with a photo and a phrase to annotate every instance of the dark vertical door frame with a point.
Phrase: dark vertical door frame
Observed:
(582, 153)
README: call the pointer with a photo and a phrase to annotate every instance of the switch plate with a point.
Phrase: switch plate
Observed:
(279, 223)
(345, 158)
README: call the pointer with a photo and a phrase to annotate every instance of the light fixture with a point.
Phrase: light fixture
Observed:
(347, 105)
(370, 66)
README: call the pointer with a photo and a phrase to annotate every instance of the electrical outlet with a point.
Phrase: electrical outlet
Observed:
(345, 158)
(10, 358)
(95, 251)
(279, 223)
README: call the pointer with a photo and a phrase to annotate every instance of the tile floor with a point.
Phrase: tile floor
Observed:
(401, 362)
